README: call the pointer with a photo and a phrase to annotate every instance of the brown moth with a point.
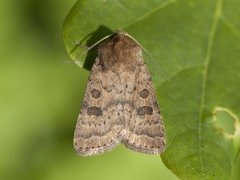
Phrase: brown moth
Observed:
(120, 104)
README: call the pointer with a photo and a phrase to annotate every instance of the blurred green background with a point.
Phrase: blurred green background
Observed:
(40, 96)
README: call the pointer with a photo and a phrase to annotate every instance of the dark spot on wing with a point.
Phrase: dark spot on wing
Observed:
(95, 93)
(144, 93)
(145, 110)
(93, 110)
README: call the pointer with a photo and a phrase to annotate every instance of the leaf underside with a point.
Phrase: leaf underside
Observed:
(195, 47)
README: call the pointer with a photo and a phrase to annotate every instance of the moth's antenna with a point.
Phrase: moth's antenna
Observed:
(95, 44)
(92, 46)
(146, 53)
(139, 45)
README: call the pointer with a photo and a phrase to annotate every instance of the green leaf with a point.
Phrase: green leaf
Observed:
(196, 69)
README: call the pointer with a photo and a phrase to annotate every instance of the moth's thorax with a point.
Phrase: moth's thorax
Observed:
(119, 51)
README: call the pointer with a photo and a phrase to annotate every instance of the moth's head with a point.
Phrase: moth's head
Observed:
(122, 41)
(120, 49)
(119, 32)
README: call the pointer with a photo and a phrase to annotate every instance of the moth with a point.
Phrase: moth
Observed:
(120, 104)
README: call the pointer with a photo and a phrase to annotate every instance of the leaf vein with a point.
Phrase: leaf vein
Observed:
(213, 29)
(148, 13)
(123, 7)
(180, 71)
(231, 26)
